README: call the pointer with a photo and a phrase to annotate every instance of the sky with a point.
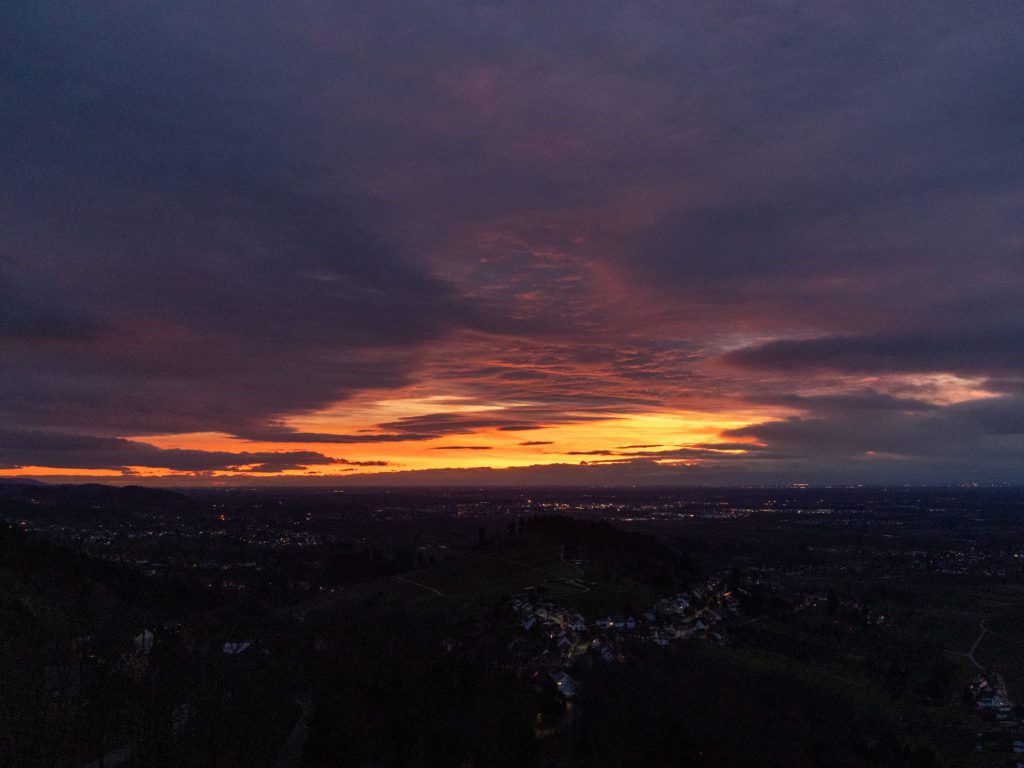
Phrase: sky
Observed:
(594, 242)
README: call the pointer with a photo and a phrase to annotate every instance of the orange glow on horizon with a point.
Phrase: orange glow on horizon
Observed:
(615, 437)
(534, 434)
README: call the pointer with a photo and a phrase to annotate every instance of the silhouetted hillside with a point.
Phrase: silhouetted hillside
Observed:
(36, 500)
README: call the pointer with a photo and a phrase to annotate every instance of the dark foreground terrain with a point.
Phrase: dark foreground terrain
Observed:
(697, 627)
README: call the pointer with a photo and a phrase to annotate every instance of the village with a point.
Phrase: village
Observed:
(991, 699)
(549, 643)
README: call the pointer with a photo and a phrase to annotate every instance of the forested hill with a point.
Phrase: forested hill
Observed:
(39, 500)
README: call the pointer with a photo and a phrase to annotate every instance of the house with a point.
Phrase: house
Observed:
(565, 644)
(565, 684)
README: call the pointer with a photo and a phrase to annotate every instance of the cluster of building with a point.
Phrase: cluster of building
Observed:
(551, 639)
(989, 693)
(988, 689)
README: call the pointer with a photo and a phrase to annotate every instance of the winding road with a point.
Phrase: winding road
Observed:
(977, 641)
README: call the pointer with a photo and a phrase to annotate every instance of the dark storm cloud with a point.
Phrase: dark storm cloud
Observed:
(980, 440)
(21, 448)
(172, 259)
(966, 351)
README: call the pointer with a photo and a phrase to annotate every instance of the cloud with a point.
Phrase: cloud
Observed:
(461, 448)
(990, 351)
(225, 220)
(171, 261)
(508, 419)
(280, 434)
(982, 440)
(19, 449)
(853, 400)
